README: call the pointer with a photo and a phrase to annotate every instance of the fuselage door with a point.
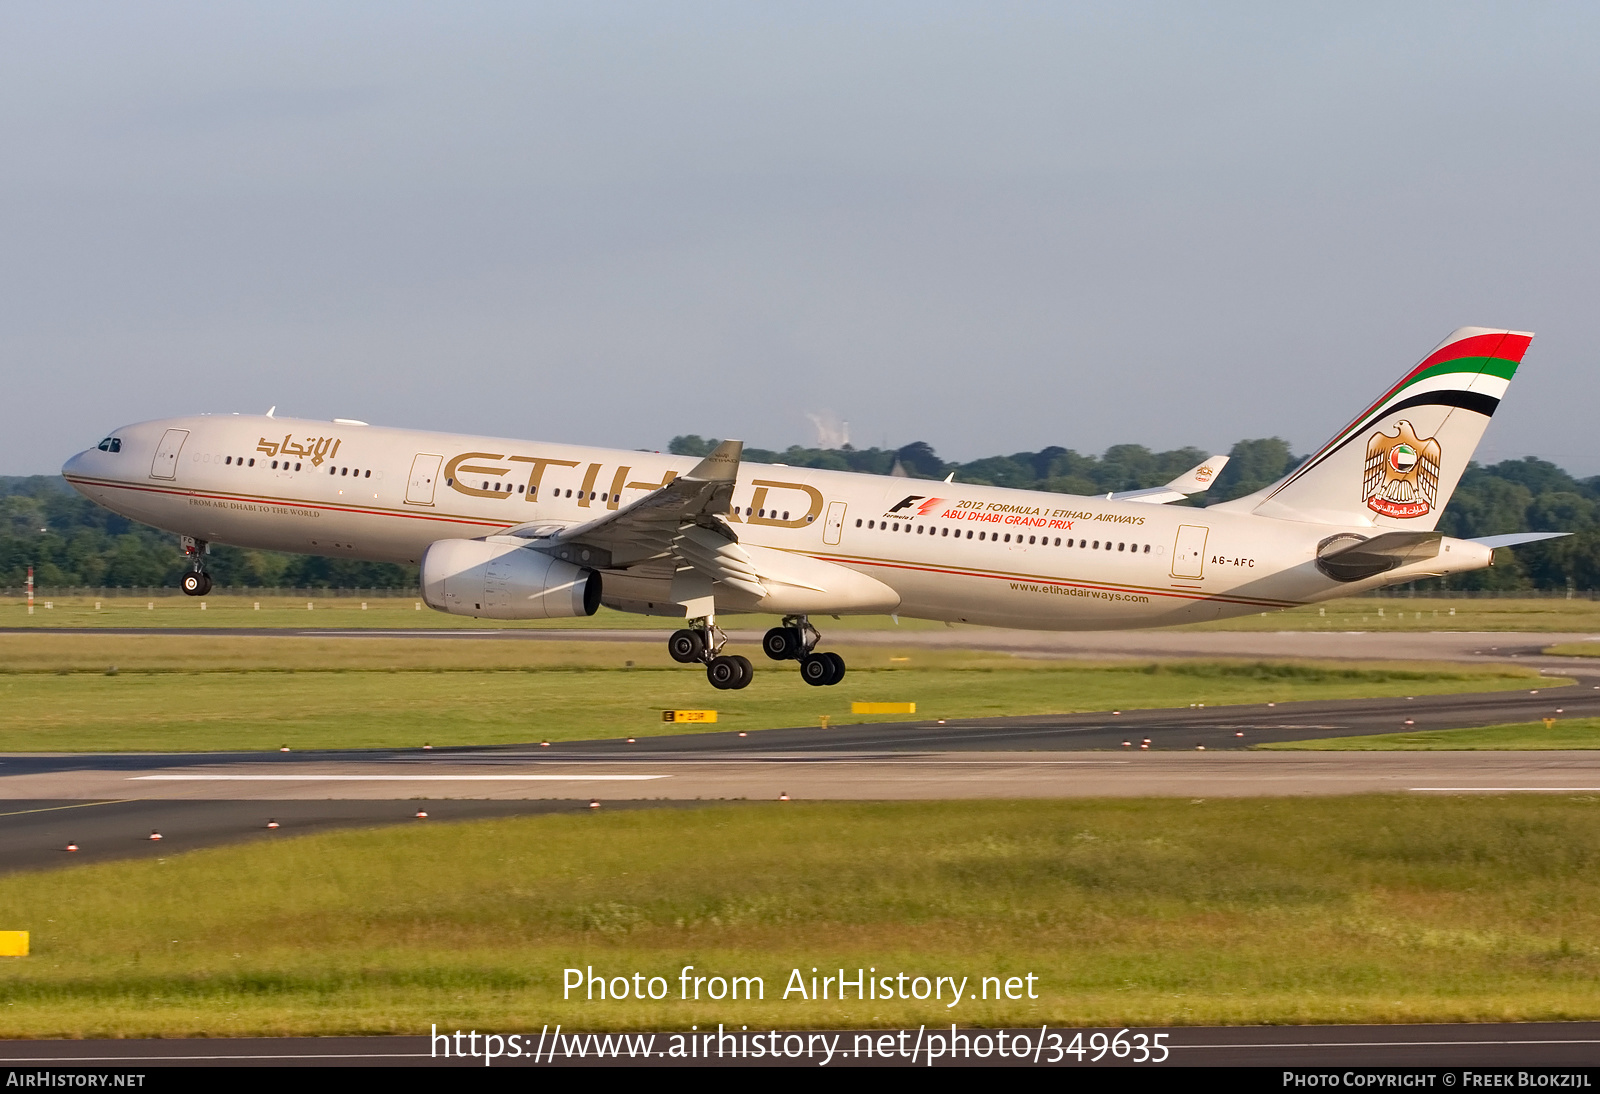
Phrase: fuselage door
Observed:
(835, 523)
(424, 478)
(1189, 553)
(165, 465)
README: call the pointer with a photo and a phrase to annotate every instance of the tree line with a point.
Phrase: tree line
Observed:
(70, 541)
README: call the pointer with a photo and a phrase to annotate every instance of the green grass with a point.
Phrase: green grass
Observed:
(1363, 909)
(1403, 613)
(1574, 649)
(405, 613)
(178, 693)
(1573, 733)
(340, 612)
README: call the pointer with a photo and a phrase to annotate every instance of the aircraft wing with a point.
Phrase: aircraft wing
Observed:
(678, 526)
(1196, 480)
(646, 528)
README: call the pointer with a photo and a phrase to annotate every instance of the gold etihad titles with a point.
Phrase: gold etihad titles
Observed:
(491, 472)
(315, 449)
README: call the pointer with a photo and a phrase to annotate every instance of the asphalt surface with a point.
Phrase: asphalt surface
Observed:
(108, 804)
(34, 834)
(1546, 1045)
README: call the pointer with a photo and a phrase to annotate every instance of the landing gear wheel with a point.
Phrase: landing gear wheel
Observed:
(729, 673)
(838, 667)
(782, 643)
(817, 669)
(686, 646)
(196, 583)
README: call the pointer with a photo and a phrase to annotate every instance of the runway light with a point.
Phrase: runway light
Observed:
(1238, 734)
(427, 748)
(544, 744)
(594, 803)
(1535, 691)
(1200, 748)
(1116, 712)
(285, 748)
(742, 733)
(272, 824)
(1559, 710)
(1272, 704)
(630, 740)
(1410, 722)
(1145, 745)
(1127, 744)
(940, 722)
(784, 796)
(72, 846)
(422, 814)
(154, 835)
(1147, 740)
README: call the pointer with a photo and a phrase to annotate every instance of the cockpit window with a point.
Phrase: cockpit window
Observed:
(110, 444)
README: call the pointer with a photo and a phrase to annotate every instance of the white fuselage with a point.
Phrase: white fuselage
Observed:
(954, 552)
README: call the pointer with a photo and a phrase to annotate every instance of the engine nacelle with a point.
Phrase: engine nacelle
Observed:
(505, 581)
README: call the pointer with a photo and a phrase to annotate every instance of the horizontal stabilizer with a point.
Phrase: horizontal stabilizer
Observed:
(1516, 539)
(1196, 480)
(1351, 558)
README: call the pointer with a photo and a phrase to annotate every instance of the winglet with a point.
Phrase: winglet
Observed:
(721, 465)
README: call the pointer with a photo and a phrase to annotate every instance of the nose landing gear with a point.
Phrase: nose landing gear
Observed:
(196, 582)
(796, 640)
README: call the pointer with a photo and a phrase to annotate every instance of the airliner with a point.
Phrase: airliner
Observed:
(514, 529)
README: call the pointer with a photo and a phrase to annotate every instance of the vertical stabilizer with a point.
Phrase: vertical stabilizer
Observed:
(1397, 463)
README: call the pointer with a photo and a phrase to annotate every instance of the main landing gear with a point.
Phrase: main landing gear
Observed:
(702, 640)
(196, 582)
(796, 640)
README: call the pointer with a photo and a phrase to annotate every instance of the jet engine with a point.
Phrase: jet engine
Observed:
(505, 581)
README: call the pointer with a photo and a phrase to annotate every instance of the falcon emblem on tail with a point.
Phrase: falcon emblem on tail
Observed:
(1402, 473)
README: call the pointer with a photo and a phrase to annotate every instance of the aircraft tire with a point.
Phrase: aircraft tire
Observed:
(686, 646)
(196, 583)
(816, 669)
(781, 643)
(837, 664)
(747, 672)
(725, 673)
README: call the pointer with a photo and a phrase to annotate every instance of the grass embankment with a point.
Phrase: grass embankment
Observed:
(1574, 649)
(1403, 613)
(1365, 909)
(1574, 733)
(404, 613)
(176, 693)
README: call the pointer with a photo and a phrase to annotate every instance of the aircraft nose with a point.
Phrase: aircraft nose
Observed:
(75, 465)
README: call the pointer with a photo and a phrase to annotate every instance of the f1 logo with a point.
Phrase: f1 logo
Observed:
(907, 502)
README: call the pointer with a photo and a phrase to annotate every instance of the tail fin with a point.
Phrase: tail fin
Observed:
(1398, 462)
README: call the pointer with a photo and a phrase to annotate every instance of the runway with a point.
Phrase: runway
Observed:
(203, 799)
(1572, 1046)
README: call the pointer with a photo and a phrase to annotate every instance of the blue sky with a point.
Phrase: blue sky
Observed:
(989, 226)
